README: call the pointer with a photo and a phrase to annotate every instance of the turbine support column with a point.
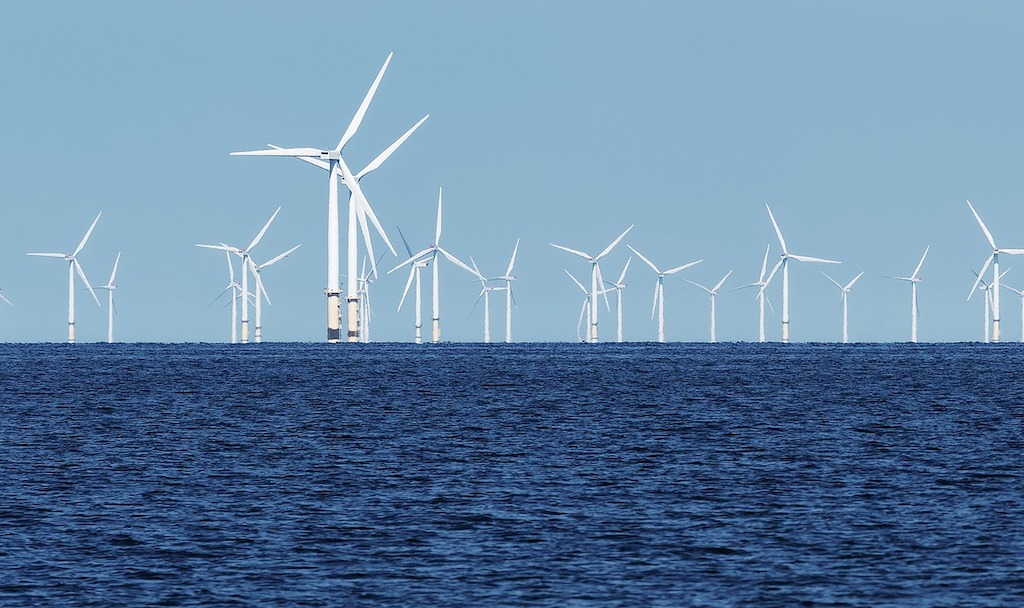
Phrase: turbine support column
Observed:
(353, 318)
(437, 330)
(333, 316)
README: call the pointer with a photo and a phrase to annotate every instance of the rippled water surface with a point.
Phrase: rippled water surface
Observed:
(495, 475)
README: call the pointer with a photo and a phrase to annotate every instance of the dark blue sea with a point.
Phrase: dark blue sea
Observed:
(512, 475)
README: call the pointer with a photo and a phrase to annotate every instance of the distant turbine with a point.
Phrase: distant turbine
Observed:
(585, 308)
(618, 286)
(659, 290)
(257, 270)
(595, 280)
(485, 291)
(414, 273)
(110, 287)
(1020, 293)
(509, 298)
(914, 280)
(989, 301)
(761, 284)
(358, 206)
(365, 311)
(784, 264)
(713, 292)
(74, 266)
(246, 263)
(235, 289)
(844, 292)
(432, 252)
(993, 259)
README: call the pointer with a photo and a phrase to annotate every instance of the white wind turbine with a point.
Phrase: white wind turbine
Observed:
(844, 291)
(618, 286)
(246, 263)
(485, 291)
(430, 254)
(987, 290)
(761, 284)
(784, 264)
(110, 287)
(585, 308)
(1019, 292)
(509, 299)
(993, 259)
(595, 280)
(74, 266)
(659, 289)
(713, 292)
(235, 288)
(913, 279)
(257, 270)
(359, 209)
(414, 273)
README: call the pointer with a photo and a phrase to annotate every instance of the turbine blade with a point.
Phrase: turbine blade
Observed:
(456, 261)
(984, 267)
(437, 231)
(918, 269)
(231, 268)
(49, 255)
(614, 243)
(850, 284)
(778, 233)
(278, 258)
(572, 251)
(771, 276)
(600, 281)
(276, 151)
(698, 285)
(86, 237)
(411, 259)
(368, 210)
(404, 242)
(804, 258)
(408, 283)
(383, 156)
(578, 284)
(361, 112)
(833, 281)
(1012, 251)
(113, 273)
(622, 275)
(720, 283)
(219, 247)
(81, 274)
(512, 261)
(683, 267)
(648, 262)
(6, 300)
(984, 228)
(264, 231)
(764, 264)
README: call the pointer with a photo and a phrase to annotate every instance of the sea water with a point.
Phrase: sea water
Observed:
(512, 475)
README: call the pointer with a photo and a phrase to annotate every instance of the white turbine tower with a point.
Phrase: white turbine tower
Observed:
(659, 290)
(618, 286)
(784, 264)
(246, 263)
(585, 308)
(485, 291)
(359, 208)
(431, 256)
(913, 279)
(989, 301)
(761, 299)
(74, 266)
(844, 293)
(595, 280)
(111, 287)
(993, 259)
(257, 270)
(509, 299)
(1019, 292)
(713, 292)
(235, 288)
(414, 273)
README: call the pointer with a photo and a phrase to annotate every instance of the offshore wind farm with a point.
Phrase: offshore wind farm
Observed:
(514, 168)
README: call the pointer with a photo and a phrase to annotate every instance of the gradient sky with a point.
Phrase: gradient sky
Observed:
(865, 125)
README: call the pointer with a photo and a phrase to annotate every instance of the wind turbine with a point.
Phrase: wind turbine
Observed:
(246, 263)
(784, 264)
(1019, 292)
(595, 279)
(993, 259)
(914, 280)
(485, 291)
(761, 284)
(508, 278)
(335, 164)
(659, 290)
(261, 290)
(844, 292)
(713, 292)
(74, 266)
(432, 252)
(987, 290)
(618, 286)
(585, 308)
(235, 289)
(414, 273)
(110, 287)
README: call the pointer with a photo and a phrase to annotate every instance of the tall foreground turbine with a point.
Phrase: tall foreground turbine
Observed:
(913, 279)
(844, 293)
(659, 290)
(993, 259)
(359, 209)
(430, 254)
(784, 265)
(713, 292)
(595, 279)
(246, 264)
(74, 266)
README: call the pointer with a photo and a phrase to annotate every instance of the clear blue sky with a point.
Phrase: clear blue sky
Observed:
(864, 124)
